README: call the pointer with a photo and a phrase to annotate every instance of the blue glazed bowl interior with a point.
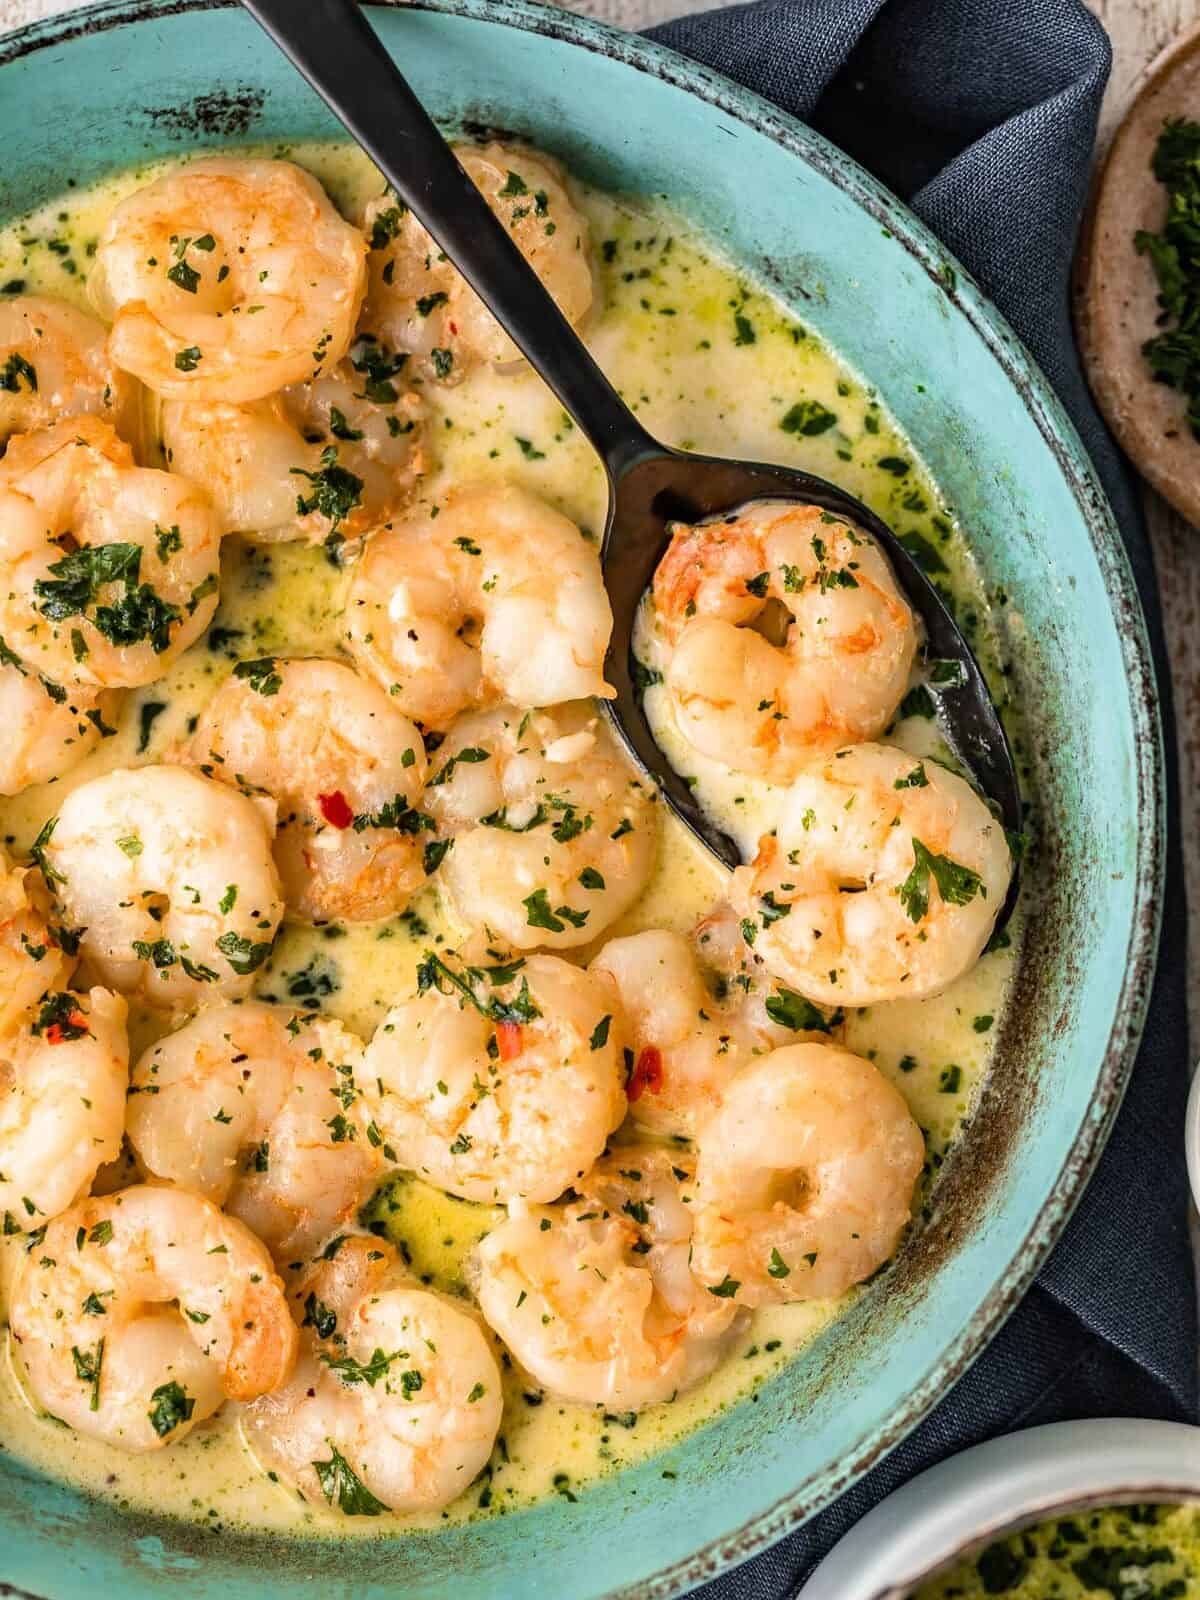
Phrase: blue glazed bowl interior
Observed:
(106, 88)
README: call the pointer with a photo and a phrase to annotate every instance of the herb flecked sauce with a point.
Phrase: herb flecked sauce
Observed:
(709, 361)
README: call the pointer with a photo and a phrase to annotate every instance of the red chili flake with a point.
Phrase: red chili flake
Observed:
(335, 808)
(509, 1040)
(75, 1027)
(647, 1074)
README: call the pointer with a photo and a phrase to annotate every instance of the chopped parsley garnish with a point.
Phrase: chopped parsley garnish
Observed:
(340, 428)
(434, 854)
(318, 1316)
(378, 369)
(918, 702)
(159, 952)
(927, 556)
(792, 1010)
(435, 973)
(261, 674)
(469, 755)
(540, 915)
(17, 371)
(37, 854)
(743, 329)
(59, 1017)
(351, 1371)
(88, 1366)
(1174, 354)
(386, 226)
(335, 490)
(243, 955)
(137, 615)
(726, 1289)
(79, 577)
(957, 885)
(171, 1406)
(808, 418)
(341, 1484)
(148, 712)
(778, 1267)
(184, 276)
(771, 910)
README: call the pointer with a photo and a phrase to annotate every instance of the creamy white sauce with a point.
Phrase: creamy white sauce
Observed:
(708, 361)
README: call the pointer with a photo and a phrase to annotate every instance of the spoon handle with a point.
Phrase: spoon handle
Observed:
(336, 49)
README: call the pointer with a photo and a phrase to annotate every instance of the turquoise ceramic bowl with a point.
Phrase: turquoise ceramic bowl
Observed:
(111, 85)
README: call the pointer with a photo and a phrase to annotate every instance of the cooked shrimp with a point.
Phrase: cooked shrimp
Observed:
(882, 881)
(498, 597)
(227, 279)
(597, 1299)
(49, 728)
(108, 571)
(805, 1177)
(32, 959)
(256, 1108)
(346, 771)
(497, 1082)
(141, 1312)
(418, 303)
(554, 835)
(839, 674)
(169, 882)
(396, 1401)
(690, 1029)
(326, 459)
(62, 1103)
(53, 364)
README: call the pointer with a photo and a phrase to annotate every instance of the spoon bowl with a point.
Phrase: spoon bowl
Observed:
(664, 486)
(650, 485)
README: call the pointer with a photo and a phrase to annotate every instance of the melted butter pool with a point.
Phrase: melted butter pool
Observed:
(709, 361)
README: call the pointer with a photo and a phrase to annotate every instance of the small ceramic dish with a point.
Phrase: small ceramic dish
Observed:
(1116, 291)
(960, 1506)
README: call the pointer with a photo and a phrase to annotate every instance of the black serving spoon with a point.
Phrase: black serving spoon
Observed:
(650, 486)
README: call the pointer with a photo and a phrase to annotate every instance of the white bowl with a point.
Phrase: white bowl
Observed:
(963, 1504)
(1191, 1136)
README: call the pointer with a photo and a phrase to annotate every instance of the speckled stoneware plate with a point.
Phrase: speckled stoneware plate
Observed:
(105, 87)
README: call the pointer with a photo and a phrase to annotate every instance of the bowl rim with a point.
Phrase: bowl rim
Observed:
(996, 1488)
(804, 144)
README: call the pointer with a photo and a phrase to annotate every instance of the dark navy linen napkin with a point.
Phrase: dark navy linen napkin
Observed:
(981, 114)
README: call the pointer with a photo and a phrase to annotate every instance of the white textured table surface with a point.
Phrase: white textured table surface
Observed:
(1139, 29)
